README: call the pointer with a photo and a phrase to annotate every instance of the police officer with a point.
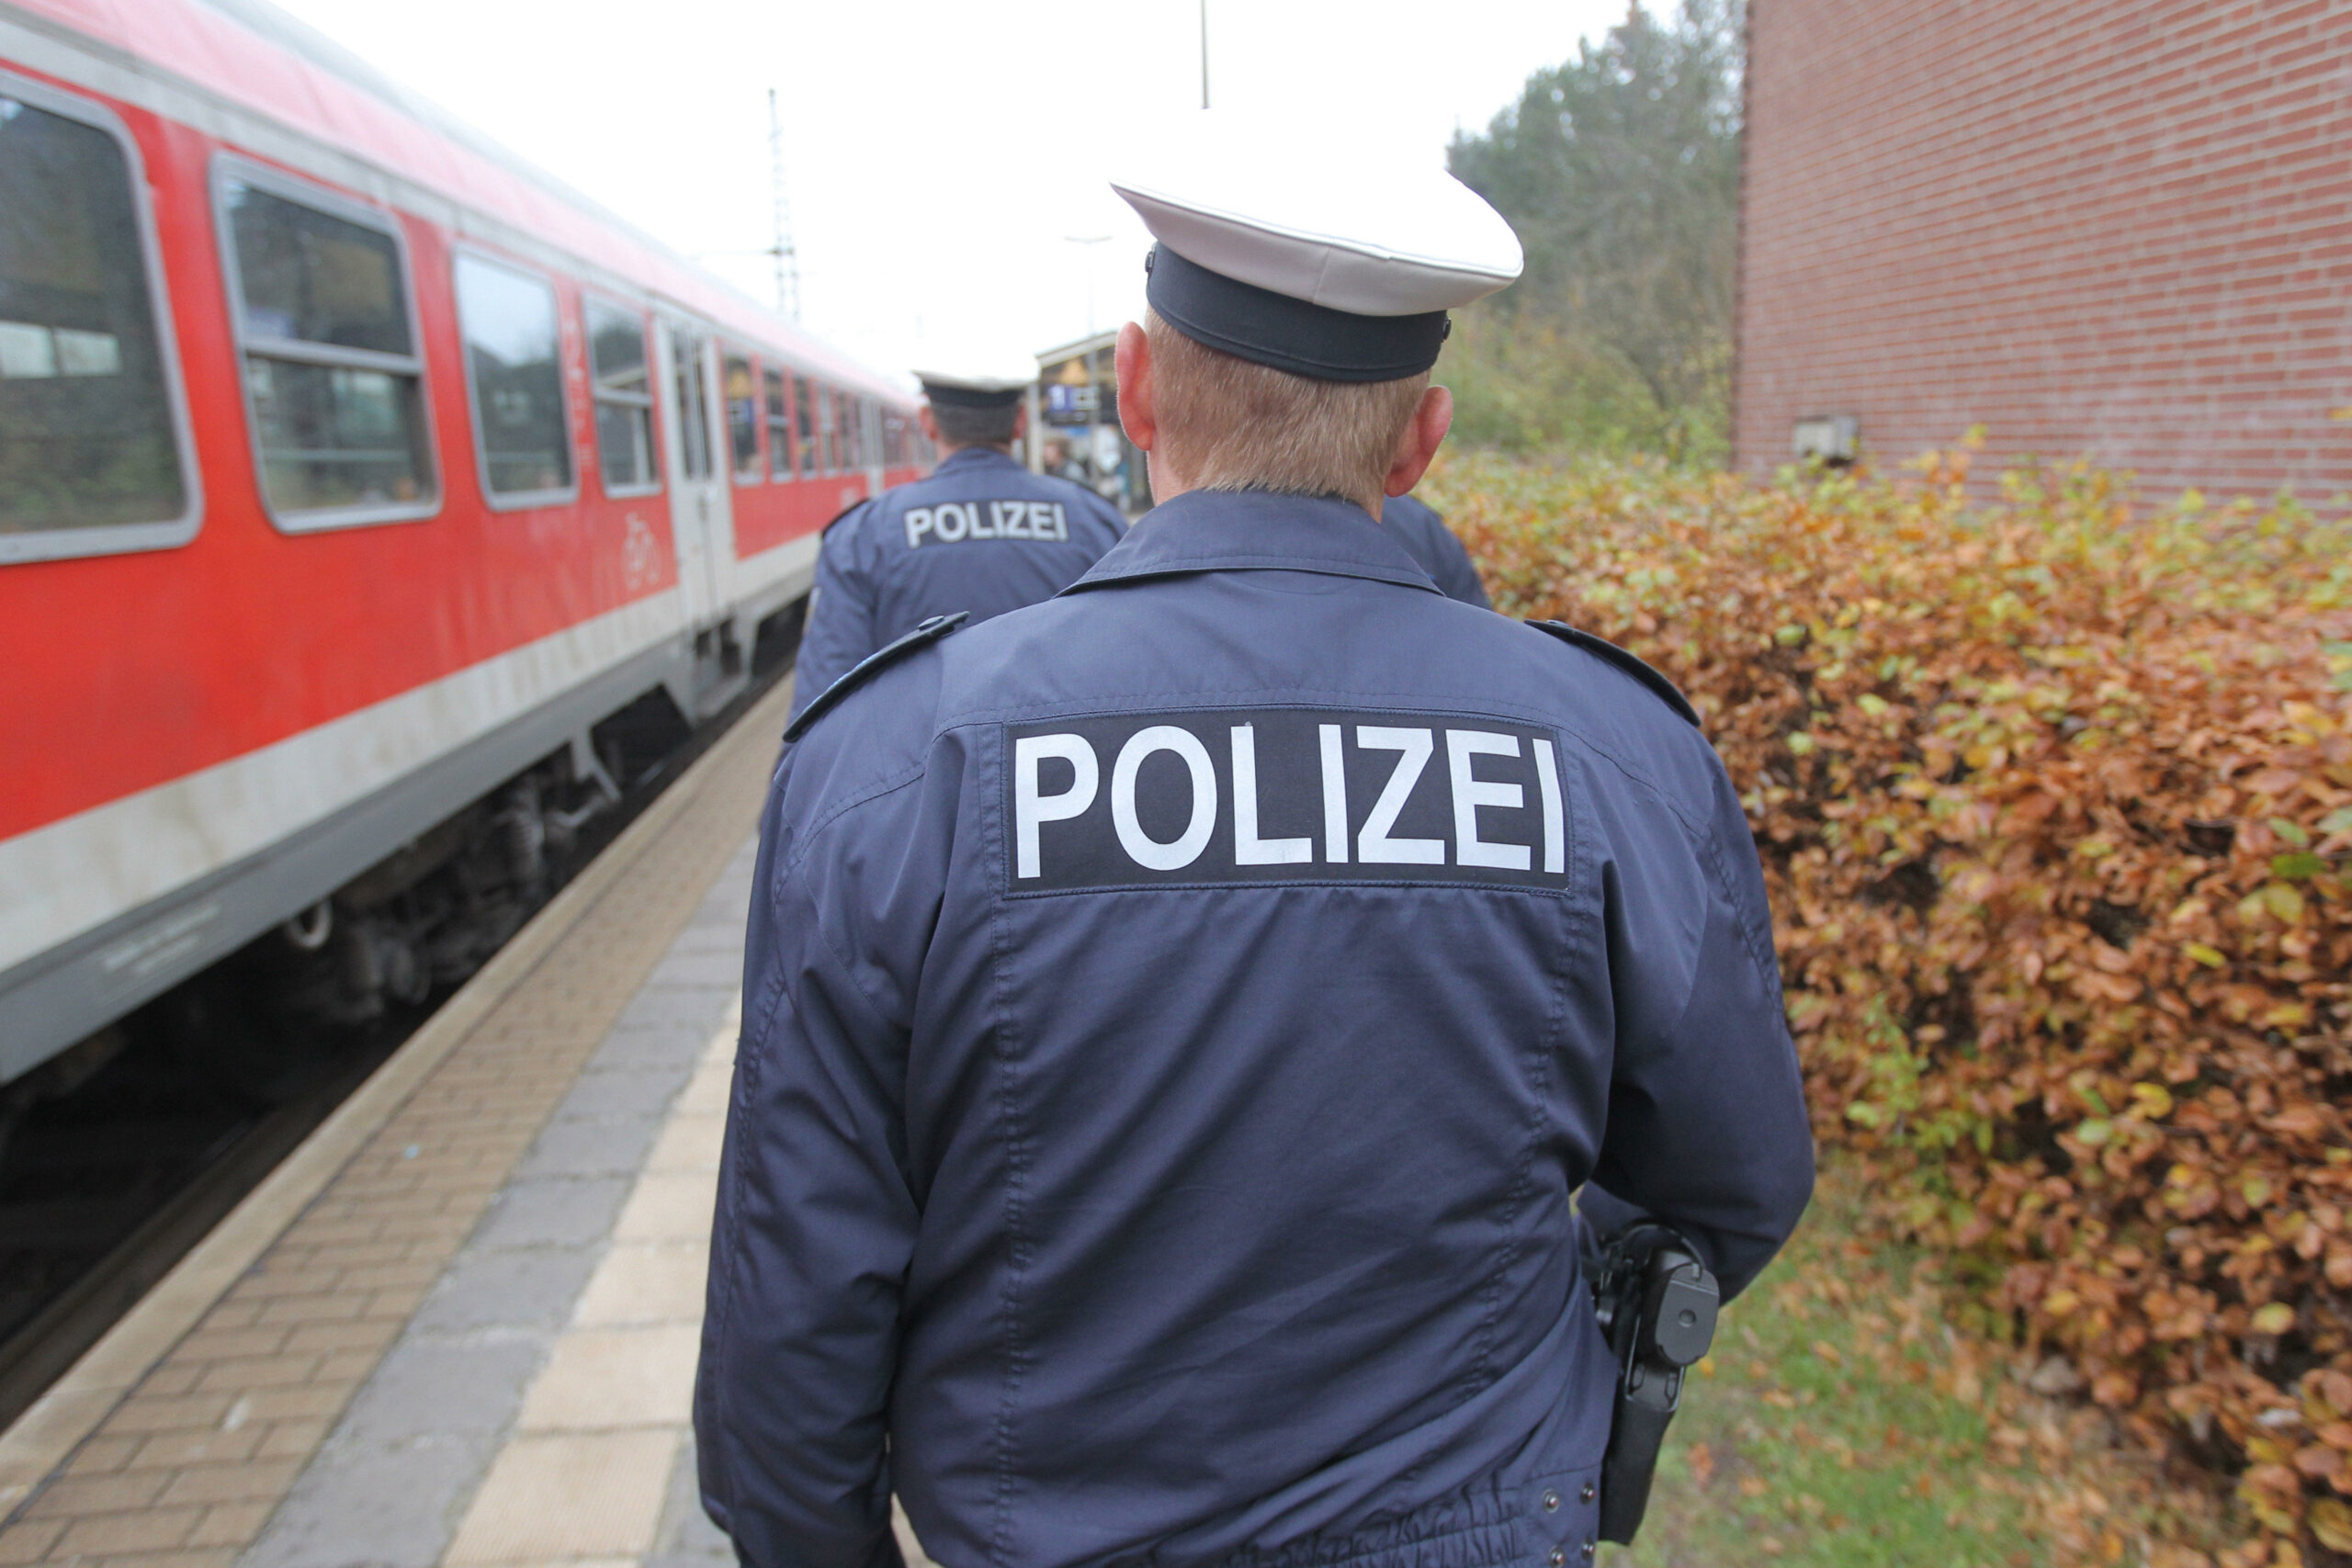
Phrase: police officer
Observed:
(981, 535)
(1435, 548)
(1178, 1015)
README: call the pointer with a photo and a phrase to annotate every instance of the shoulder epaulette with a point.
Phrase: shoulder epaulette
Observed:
(1628, 662)
(873, 664)
(852, 506)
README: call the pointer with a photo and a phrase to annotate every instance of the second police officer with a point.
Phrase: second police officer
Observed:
(1434, 549)
(979, 534)
(1177, 1017)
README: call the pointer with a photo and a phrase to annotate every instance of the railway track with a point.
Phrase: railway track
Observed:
(104, 1189)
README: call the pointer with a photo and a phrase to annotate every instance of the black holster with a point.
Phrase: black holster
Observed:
(1655, 1303)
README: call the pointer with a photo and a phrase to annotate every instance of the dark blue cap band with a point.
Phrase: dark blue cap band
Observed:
(1266, 328)
(971, 397)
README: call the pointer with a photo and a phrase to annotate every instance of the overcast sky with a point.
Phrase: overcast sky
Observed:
(938, 154)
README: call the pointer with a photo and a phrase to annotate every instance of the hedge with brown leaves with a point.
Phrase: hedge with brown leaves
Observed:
(2055, 802)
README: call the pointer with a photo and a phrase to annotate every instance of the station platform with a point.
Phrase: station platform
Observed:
(459, 1325)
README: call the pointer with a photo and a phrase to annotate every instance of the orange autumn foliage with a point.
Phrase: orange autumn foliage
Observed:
(2054, 798)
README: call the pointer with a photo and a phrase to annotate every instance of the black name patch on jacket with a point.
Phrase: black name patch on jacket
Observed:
(951, 522)
(1282, 795)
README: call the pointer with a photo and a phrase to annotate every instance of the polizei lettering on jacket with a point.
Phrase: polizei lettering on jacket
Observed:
(1282, 795)
(949, 522)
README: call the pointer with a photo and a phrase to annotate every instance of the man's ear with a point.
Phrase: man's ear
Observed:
(930, 425)
(1020, 418)
(1423, 436)
(1139, 415)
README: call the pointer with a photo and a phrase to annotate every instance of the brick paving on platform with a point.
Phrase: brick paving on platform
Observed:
(190, 1467)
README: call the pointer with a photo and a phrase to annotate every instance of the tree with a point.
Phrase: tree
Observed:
(1620, 171)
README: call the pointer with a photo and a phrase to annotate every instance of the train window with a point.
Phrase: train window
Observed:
(845, 453)
(828, 452)
(694, 406)
(514, 362)
(92, 448)
(804, 402)
(333, 378)
(624, 398)
(742, 419)
(779, 417)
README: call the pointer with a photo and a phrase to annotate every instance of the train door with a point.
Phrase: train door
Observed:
(699, 506)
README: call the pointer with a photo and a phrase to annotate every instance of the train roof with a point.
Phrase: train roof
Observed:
(264, 61)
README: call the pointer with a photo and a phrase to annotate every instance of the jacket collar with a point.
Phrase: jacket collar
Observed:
(973, 457)
(1255, 531)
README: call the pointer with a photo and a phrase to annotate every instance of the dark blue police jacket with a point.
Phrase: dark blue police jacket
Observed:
(1435, 549)
(980, 533)
(1175, 1019)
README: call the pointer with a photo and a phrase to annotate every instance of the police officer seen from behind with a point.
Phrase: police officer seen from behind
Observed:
(1177, 1015)
(980, 534)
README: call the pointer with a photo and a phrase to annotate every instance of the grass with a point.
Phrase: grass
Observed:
(1843, 1422)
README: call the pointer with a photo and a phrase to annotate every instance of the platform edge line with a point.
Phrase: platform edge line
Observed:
(45, 1436)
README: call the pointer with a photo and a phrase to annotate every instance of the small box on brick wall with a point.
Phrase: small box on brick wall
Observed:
(1831, 439)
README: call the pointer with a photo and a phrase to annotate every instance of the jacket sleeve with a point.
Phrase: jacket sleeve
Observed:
(1707, 1126)
(841, 613)
(814, 1229)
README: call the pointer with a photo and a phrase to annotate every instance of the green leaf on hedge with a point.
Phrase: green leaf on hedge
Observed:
(2337, 821)
(2276, 1318)
(2290, 831)
(1800, 744)
(2213, 958)
(2095, 1132)
(2297, 867)
(2284, 902)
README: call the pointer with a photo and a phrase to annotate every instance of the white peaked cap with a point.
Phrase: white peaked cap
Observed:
(992, 369)
(1345, 223)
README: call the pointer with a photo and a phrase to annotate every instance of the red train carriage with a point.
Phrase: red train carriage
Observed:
(362, 492)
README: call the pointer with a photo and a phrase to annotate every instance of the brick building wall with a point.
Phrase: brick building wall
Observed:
(2113, 227)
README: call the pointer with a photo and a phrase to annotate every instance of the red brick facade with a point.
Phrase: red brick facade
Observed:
(2113, 227)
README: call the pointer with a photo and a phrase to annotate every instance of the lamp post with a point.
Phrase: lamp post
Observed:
(1204, 53)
